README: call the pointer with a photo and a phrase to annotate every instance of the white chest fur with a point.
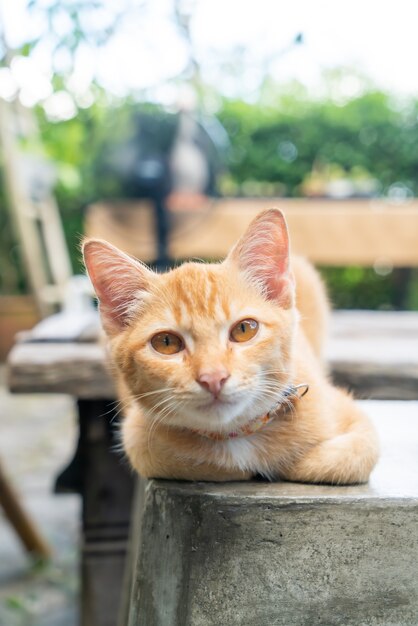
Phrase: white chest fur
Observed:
(244, 453)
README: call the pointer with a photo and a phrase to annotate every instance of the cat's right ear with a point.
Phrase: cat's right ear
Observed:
(120, 283)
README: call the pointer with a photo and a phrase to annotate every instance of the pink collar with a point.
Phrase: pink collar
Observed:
(290, 395)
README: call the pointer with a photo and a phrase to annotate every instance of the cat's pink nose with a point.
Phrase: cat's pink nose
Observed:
(213, 381)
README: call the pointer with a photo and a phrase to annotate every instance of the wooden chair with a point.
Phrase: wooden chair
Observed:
(25, 528)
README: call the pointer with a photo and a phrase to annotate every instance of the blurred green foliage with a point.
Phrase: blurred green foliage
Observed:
(282, 143)
(362, 288)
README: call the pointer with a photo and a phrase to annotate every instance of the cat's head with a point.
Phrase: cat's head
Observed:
(203, 346)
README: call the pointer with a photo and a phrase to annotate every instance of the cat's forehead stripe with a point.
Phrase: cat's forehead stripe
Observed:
(198, 292)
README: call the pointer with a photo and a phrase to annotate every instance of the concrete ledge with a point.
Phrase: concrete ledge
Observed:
(284, 554)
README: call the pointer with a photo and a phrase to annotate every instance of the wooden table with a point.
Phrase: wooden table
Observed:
(373, 353)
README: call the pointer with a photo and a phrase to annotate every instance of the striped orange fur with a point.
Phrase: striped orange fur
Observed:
(214, 383)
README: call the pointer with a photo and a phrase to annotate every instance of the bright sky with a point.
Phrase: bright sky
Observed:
(234, 40)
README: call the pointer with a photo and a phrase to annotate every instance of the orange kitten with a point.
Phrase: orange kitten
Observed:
(213, 362)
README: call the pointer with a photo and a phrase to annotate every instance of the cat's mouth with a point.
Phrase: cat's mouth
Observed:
(215, 402)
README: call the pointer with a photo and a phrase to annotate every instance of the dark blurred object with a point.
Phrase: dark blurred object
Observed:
(168, 158)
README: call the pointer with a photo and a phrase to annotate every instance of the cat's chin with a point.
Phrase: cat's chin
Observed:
(216, 415)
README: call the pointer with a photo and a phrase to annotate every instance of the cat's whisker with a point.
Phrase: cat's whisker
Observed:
(279, 395)
(121, 405)
(117, 410)
(161, 417)
(161, 403)
(154, 424)
(116, 415)
(146, 394)
(156, 391)
(139, 397)
(116, 404)
(275, 393)
(290, 407)
(279, 390)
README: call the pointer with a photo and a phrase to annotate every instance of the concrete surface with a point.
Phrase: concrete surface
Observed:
(285, 554)
(36, 439)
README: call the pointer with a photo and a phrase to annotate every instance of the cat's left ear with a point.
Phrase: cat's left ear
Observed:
(262, 254)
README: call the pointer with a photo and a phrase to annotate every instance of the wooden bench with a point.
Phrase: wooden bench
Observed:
(328, 232)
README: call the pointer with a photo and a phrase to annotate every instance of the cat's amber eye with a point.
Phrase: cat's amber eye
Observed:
(244, 330)
(167, 343)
